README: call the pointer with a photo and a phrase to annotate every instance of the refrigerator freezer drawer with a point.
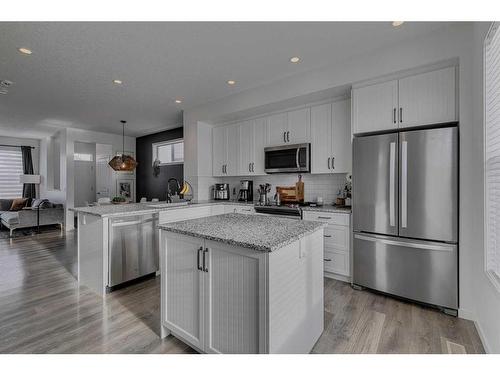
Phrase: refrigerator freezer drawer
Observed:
(423, 271)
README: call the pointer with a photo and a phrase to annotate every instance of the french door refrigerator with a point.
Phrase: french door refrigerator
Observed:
(405, 215)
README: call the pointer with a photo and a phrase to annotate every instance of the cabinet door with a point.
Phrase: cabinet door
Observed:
(218, 150)
(298, 129)
(232, 155)
(321, 130)
(341, 155)
(259, 133)
(374, 107)
(182, 286)
(233, 292)
(428, 98)
(246, 146)
(277, 127)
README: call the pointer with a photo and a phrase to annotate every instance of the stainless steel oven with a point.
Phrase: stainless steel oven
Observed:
(288, 158)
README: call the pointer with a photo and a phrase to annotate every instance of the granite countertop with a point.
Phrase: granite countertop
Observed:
(328, 208)
(110, 210)
(262, 233)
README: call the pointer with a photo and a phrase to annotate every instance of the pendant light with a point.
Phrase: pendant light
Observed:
(123, 163)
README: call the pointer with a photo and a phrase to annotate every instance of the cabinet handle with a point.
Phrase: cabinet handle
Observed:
(327, 235)
(288, 136)
(394, 115)
(249, 167)
(327, 259)
(252, 167)
(400, 114)
(284, 137)
(328, 162)
(205, 268)
(200, 249)
(333, 162)
(324, 217)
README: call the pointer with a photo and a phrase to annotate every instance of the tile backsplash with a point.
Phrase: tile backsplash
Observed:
(315, 185)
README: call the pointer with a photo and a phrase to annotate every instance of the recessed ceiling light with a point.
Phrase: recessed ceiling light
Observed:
(231, 82)
(397, 23)
(26, 51)
(294, 59)
(117, 82)
(178, 101)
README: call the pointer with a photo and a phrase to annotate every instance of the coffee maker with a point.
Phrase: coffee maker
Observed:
(246, 191)
(221, 192)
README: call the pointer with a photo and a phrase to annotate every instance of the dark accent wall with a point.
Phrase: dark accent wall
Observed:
(147, 185)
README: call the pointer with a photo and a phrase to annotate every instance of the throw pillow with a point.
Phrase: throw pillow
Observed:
(18, 204)
(38, 202)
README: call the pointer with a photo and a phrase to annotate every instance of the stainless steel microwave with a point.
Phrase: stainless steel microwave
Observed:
(288, 158)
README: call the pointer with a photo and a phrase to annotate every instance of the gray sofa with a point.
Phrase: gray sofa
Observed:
(50, 214)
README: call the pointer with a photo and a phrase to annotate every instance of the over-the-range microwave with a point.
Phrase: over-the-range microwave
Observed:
(288, 158)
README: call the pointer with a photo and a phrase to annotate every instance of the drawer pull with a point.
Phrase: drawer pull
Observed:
(324, 217)
(327, 235)
(327, 259)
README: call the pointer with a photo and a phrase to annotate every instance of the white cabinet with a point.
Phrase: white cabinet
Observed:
(238, 209)
(331, 138)
(225, 144)
(252, 139)
(337, 243)
(428, 98)
(420, 99)
(185, 213)
(289, 127)
(374, 107)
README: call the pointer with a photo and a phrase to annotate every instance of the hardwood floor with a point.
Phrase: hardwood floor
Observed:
(42, 310)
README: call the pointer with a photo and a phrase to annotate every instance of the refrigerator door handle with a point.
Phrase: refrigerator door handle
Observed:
(404, 184)
(392, 177)
(413, 245)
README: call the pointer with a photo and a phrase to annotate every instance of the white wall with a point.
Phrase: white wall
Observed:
(458, 41)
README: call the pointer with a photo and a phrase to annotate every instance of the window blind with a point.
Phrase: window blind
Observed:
(11, 166)
(492, 151)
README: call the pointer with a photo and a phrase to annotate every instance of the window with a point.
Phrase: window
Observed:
(11, 166)
(170, 152)
(492, 153)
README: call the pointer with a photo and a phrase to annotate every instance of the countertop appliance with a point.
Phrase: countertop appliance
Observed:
(246, 191)
(288, 158)
(133, 248)
(221, 192)
(405, 215)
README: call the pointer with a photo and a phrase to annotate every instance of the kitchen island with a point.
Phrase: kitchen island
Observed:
(237, 283)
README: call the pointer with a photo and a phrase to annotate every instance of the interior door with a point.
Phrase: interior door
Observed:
(375, 107)
(429, 184)
(183, 285)
(375, 182)
(232, 304)
(321, 137)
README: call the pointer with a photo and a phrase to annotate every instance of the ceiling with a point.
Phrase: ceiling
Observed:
(67, 81)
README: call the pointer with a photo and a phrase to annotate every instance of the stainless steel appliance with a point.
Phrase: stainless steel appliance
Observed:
(221, 192)
(288, 158)
(246, 191)
(133, 248)
(405, 215)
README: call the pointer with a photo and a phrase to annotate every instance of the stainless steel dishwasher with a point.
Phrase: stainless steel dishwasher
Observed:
(133, 248)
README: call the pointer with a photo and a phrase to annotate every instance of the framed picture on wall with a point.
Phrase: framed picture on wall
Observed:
(125, 189)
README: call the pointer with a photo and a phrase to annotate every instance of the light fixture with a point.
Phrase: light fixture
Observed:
(397, 23)
(294, 59)
(231, 82)
(117, 82)
(26, 51)
(123, 163)
(178, 101)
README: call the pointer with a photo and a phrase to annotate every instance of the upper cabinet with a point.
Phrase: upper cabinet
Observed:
(374, 107)
(428, 98)
(225, 145)
(421, 99)
(331, 137)
(252, 138)
(289, 127)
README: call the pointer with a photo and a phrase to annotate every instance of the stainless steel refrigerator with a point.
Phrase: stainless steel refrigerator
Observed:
(405, 215)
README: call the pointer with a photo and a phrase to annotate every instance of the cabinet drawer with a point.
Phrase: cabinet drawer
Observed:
(336, 262)
(327, 217)
(337, 237)
(180, 214)
(244, 210)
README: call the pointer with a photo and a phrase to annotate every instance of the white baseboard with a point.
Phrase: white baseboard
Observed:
(482, 337)
(466, 314)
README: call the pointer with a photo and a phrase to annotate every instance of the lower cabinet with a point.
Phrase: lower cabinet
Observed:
(212, 297)
(337, 243)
